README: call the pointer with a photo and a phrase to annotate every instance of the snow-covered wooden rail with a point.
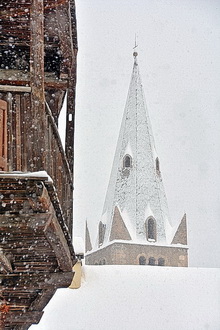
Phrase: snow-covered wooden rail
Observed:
(38, 48)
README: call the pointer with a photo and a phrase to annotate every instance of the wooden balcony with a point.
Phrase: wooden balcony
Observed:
(36, 253)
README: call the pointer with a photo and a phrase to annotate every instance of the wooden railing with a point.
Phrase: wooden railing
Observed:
(58, 168)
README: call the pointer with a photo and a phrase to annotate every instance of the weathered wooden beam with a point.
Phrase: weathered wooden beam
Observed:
(17, 318)
(10, 88)
(38, 281)
(68, 68)
(60, 280)
(5, 264)
(18, 132)
(42, 300)
(37, 84)
(23, 85)
(33, 221)
(58, 242)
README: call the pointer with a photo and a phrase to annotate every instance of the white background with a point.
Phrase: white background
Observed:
(179, 51)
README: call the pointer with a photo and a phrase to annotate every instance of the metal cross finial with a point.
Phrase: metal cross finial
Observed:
(135, 54)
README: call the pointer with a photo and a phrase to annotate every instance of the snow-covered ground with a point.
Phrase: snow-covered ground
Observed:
(139, 298)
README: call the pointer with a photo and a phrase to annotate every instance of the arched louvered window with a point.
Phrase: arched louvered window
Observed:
(151, 231)
(157, 165)
(142, 260)
(101, 233)
(161, 262)
(127, 161)
(151, 261)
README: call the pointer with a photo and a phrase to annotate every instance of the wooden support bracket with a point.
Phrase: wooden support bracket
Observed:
(5, 264)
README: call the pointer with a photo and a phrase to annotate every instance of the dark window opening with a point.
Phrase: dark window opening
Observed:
(101, 233)
(18, 58)
(127, 161)
(157, 165)
(142, 260)
(151, 229)
(151, 261)
(161, 262)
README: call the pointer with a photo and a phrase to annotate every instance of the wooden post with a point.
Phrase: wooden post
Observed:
(37, 84)
(3, 135)
(68, 68)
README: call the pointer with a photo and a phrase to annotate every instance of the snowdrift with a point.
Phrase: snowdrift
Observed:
(137, 297)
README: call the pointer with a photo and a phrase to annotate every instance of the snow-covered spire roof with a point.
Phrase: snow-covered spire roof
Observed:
(135, 185)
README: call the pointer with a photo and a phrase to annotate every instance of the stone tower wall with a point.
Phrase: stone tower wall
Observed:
(129, 254)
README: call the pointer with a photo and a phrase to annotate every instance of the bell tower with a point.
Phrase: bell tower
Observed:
(135, 227)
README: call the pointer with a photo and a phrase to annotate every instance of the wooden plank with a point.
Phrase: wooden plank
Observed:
(38, 281)
(17, 318)
(25, 127)
(10, 132)
(3, 135)
(18, 131)
(23, 85)
(33, 221)
(10, 88)
(42, 300)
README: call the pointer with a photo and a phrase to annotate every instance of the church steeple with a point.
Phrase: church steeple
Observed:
(135, 185)
(135, 216)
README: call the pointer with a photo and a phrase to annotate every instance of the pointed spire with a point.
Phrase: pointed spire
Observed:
(180, 236)
(88, 240)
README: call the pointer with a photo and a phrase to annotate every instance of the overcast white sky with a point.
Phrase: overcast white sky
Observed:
(179, 51)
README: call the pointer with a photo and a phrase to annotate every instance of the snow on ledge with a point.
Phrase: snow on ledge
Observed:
(18, 174)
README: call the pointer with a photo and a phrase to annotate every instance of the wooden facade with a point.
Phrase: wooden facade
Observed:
(38, 48)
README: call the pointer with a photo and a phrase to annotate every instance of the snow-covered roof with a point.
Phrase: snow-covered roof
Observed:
(137, 297)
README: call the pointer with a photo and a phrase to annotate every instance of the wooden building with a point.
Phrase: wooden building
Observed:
(38, 48)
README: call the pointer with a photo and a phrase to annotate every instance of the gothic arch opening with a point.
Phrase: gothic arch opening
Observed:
(142, 260)
(157, 165)
(151, 261)
(161, 262)
(151, 230)
(101, 233)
